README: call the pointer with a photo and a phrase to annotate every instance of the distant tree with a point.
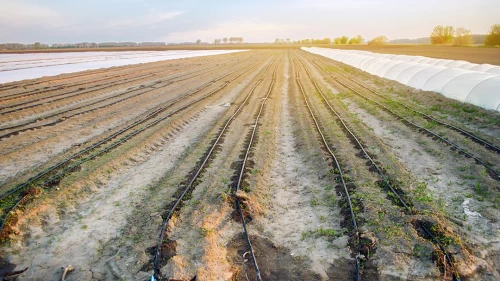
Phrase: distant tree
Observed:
(236, 40)
(326, 41)
(225, 40)
(198, 41)
(288, 40)
(217, 41)
(358, 40)
(493, 38)
(379, 40)
(344, 40)
(463, 37)
(442, 35)
(37, 45)
(337, 41)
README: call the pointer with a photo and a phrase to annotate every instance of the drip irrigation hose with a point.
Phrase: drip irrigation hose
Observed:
(341, 176)
(427, 231)
(156, 274)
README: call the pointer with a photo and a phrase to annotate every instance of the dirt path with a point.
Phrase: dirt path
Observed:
(301, 218)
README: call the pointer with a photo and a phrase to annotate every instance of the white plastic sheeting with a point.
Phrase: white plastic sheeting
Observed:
(478, 84)
(16, 67)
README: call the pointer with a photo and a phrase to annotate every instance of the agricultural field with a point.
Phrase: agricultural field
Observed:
(267, 164)
(474, 54)
(489, 55)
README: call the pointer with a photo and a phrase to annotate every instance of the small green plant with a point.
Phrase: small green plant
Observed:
(330, 199)
(418, 250)
(137, 238)
(422, 194)
(85, 226)
(325, 232)
(306, 234)
(314, 202)
(480, 190)
(381, 216)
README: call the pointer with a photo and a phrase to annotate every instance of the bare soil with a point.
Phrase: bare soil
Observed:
(479, 55)
(104, 215)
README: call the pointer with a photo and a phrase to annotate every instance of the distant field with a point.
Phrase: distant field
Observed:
(158, 48)
(471, 54)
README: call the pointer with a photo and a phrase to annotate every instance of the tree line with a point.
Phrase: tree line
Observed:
(340, 40)
(461, 36)
(231, 40)
(343, 40)
(441, 35)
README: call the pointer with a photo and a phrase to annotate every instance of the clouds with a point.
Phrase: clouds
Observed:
(21, 14)
(63, 21)
(151, 19)
(252, 30)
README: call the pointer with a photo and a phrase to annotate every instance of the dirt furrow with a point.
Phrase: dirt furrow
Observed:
(113, 208)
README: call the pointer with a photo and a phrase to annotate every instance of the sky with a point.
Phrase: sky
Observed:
(171, 21)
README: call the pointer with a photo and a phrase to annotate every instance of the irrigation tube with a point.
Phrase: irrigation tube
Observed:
(357, 141)
(355, 225)
(150, 115)
(427, 231)
(462, 131)
(242, 171)
(188, 187)
(138, 122)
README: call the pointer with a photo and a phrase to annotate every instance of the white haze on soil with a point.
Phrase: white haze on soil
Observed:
(17, 67)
